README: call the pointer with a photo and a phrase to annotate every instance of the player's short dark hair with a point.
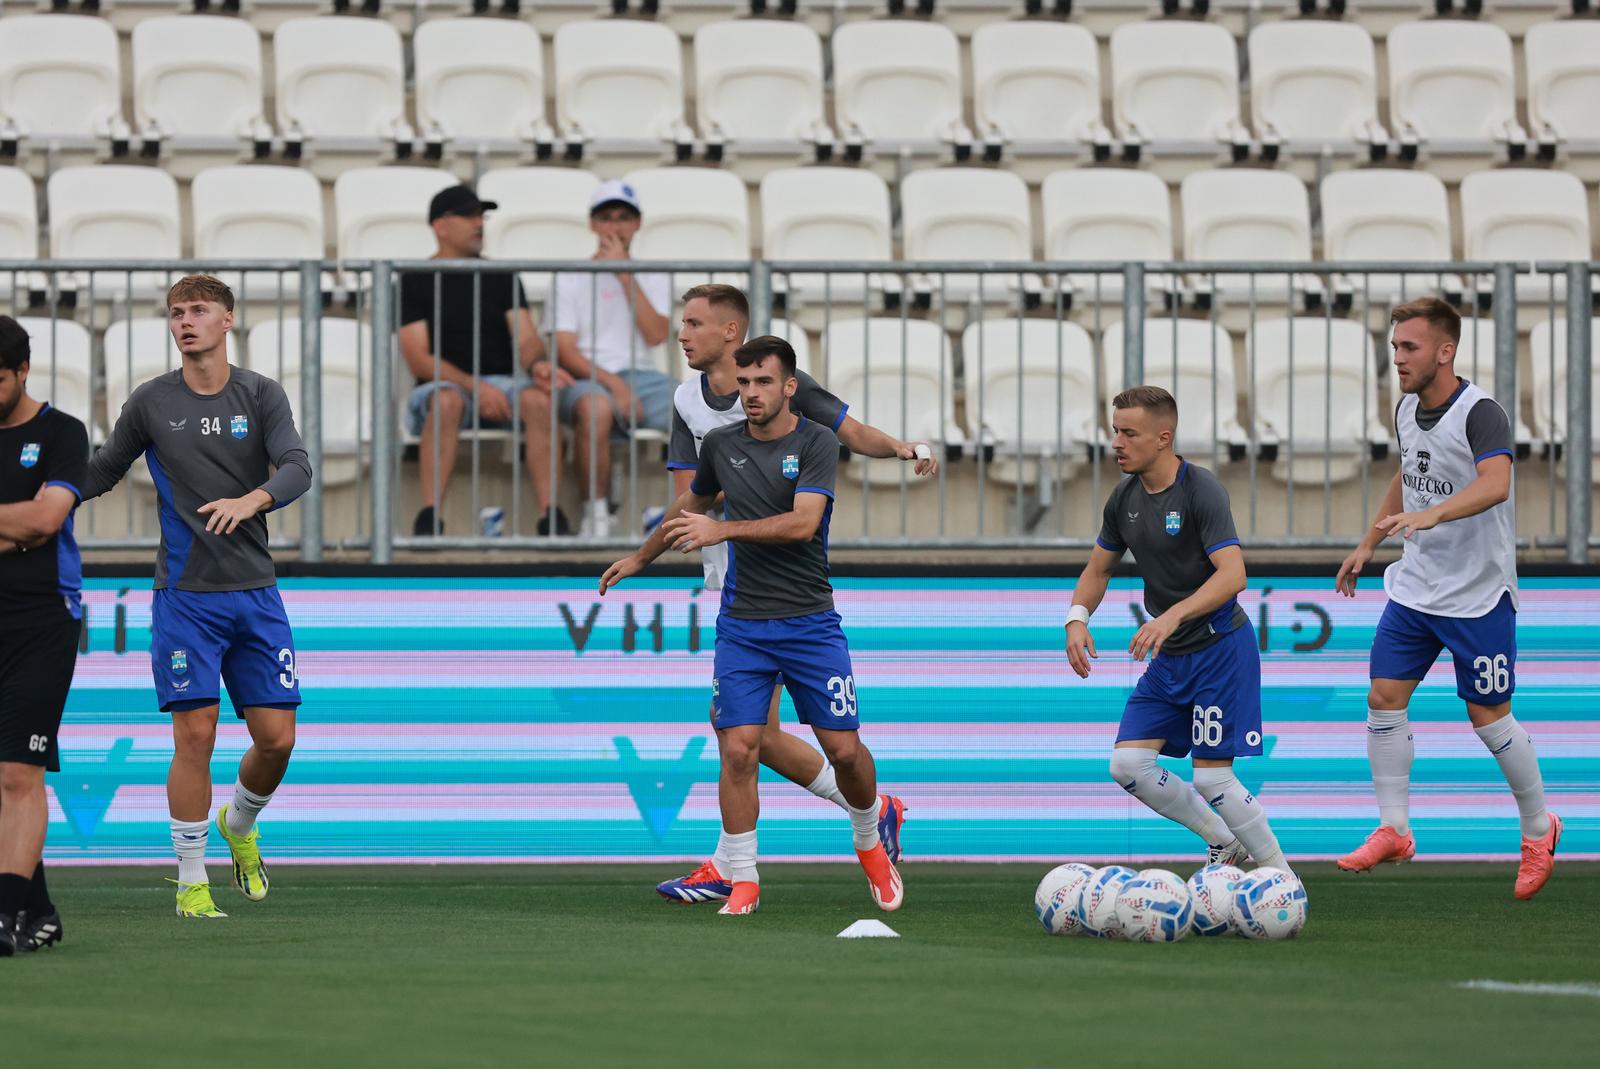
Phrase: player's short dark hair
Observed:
(200, 288)
(756, 350)
(14, 347)
(721, 296)
(1152, 399)
(1439, 314)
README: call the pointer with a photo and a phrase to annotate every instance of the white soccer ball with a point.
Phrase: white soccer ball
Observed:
(1270, 904)
(1154, 907)
(1211, 890)
(1055, 903)
(1097, 909)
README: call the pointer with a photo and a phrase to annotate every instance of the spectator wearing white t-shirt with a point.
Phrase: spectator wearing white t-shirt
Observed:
(607, 328)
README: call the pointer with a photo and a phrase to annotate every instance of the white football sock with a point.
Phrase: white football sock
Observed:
(245, 807)
(1519, 763)
(1390, 751)
(1135, 770)
(827, 786)
(740, 852)
(189, 843)
(1224, 793)
(864, 824)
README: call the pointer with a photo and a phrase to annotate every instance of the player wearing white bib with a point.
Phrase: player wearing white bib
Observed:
(1455, 588)
(715, 319)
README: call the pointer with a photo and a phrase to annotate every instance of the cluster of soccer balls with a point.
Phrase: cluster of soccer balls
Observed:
(1157, 906)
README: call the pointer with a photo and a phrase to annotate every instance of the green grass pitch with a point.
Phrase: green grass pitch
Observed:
(583, 966)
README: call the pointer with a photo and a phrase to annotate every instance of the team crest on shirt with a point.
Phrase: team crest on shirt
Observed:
(1174, 522)
(240, 426)
(1422, 461)
(791, 466)
(30, 454)
(180, 662)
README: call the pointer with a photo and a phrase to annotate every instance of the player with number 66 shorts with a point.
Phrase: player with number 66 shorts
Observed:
(1201, 694)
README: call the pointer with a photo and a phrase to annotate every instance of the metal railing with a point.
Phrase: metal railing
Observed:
(948, 352)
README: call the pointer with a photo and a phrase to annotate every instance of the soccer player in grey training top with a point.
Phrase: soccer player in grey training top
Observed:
(1201, 694)
(776, 473)
(223, 450)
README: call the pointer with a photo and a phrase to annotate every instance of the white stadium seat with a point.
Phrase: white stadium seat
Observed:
(136, 351)
(382, 212)
(619, 79)
(1563, 61)
(1314, 80)
(1036, 81)
(19, 215)
(967, 213)
(759, 80)
(340, 77)
(1326, 366)
(1174, 81)
(1106, 214)
(115, 212)
(60, 76)
(897, 81)
(691, 213)
(274, 351)
(479, 80)
(1187, 357)
(1233, 214)
(543, 215)
(1387, 214)
(1547, 345)
(1451, 80)
(1526, 215)
(825, 213)
(58, 367)
(257, 213)
(182, 60)
(1031, 382)
(896, 374)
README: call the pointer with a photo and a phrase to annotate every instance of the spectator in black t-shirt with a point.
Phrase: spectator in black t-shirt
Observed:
(509, 360)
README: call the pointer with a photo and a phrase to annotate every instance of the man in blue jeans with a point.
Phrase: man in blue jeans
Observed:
(490, 312)
(608, 325)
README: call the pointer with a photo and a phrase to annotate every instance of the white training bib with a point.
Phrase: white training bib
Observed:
(702, 419)
(1460, 568)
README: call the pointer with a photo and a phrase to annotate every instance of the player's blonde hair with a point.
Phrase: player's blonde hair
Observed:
(1439, 314)
(200, 288)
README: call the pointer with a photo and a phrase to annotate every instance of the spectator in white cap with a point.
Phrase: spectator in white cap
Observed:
(608, 325)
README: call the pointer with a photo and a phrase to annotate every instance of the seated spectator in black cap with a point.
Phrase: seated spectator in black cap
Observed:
(437, 344)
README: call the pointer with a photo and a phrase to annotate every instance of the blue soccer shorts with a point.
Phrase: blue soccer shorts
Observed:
(202, 639)
(1484, 649)
(1207, 702)
(807, 654)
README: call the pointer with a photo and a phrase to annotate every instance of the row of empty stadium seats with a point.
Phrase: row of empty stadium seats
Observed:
(1034, 388)
(480, 79)
(816, 213)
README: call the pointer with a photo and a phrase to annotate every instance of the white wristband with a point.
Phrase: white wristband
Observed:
(1078, 614)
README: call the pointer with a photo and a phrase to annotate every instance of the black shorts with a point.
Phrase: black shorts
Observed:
(35, 675)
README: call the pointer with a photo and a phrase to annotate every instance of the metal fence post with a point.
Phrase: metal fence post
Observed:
(1132, 324)
(760, 298)
(383, 415)
(1580, 427)
(311, 405)
(1505, 339)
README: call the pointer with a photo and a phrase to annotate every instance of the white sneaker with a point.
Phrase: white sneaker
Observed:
(596, 520)
(1233, 853)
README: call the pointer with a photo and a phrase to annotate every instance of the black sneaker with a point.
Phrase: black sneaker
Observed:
(422, 526)
(36, 933)
(8, 936)
(561, 526)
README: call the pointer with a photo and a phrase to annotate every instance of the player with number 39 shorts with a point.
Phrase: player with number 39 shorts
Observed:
(1454, 588)
(1201, 694)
